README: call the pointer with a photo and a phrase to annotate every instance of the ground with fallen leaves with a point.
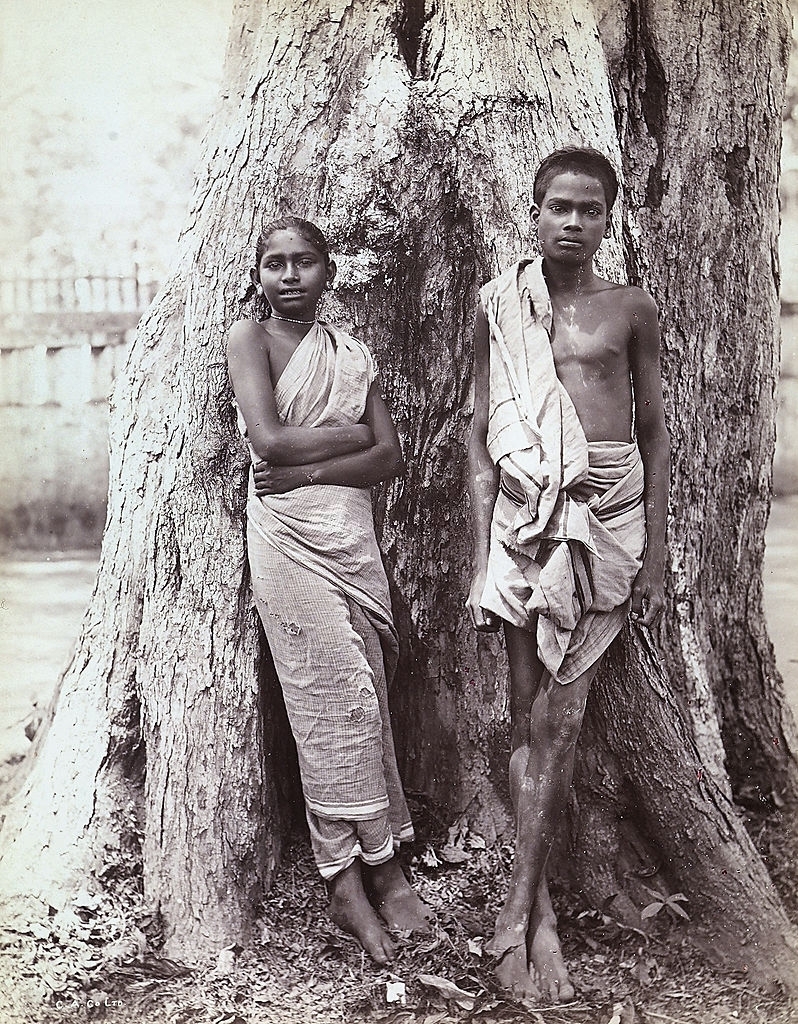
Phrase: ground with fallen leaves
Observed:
(98, 959)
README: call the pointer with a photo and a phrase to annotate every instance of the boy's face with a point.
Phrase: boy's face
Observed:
(573, 218)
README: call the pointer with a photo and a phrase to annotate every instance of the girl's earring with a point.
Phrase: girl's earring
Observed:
(262, 308)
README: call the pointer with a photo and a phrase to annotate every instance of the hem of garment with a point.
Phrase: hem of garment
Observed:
(388, 850)
(602, 640)
(349, 812)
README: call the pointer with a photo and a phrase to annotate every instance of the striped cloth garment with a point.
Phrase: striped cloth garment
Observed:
(568, 528)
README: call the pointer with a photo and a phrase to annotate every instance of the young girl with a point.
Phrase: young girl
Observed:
(320, 435)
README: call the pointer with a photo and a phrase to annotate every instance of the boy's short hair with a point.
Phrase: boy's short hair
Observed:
(579, 160)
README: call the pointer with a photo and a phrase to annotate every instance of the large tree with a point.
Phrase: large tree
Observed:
(410, 131)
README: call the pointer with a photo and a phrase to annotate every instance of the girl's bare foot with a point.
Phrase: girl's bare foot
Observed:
(351, 911)
(514, 979)
(394, 899)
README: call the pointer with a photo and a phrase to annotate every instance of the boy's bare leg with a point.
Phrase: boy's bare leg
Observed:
(536, 971)
(394, 898)
(513, 969)
(546, 719)
(350, 909)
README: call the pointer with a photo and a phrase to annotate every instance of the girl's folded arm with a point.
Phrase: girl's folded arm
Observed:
(382, 461)
(250, 375)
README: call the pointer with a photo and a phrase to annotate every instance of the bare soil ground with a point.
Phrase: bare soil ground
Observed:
(99, 959)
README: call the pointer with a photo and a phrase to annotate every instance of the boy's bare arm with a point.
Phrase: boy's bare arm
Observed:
(483, 475)
(648, 598)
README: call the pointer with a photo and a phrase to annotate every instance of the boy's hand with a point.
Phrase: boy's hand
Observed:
(484, 622)
(270, 479)
(648, 597)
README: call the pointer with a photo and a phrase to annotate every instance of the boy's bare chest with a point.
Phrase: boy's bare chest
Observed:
(589, 334)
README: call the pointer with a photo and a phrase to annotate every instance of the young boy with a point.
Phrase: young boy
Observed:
(568, 479)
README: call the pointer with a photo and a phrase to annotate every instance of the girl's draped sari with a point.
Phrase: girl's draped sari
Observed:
(322, 595)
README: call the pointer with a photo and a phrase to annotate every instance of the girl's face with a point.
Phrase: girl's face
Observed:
(293, 275)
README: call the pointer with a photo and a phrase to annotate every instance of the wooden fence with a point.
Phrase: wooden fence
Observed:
(89, 293)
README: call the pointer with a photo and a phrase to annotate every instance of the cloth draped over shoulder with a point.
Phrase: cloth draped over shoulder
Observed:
(323, 597)
(325, 384)
(568, 528)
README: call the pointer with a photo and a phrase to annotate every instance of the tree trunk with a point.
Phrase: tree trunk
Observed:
(703, 231)
(699, 130)
(411, 135)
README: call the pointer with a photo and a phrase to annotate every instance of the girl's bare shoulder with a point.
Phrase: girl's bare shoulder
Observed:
(245, 333)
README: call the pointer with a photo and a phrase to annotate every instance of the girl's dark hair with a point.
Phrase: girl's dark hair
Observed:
(305, 229)
(581, 160)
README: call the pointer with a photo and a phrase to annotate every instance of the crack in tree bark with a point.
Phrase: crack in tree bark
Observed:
(409, 33)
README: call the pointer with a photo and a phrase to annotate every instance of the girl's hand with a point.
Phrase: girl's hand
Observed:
(271, 479)
(648, 597)
(482, 621)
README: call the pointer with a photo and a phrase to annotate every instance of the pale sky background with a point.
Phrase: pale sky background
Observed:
(103, 105)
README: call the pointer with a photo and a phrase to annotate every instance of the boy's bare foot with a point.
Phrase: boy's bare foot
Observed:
(546, 960)
(394, 899)
(351, 911)
(509, 933)
(512, 974)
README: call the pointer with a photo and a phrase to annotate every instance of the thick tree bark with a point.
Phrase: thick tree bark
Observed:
(412, 135)
(156, 725)
(699, 129)
(700, 233)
